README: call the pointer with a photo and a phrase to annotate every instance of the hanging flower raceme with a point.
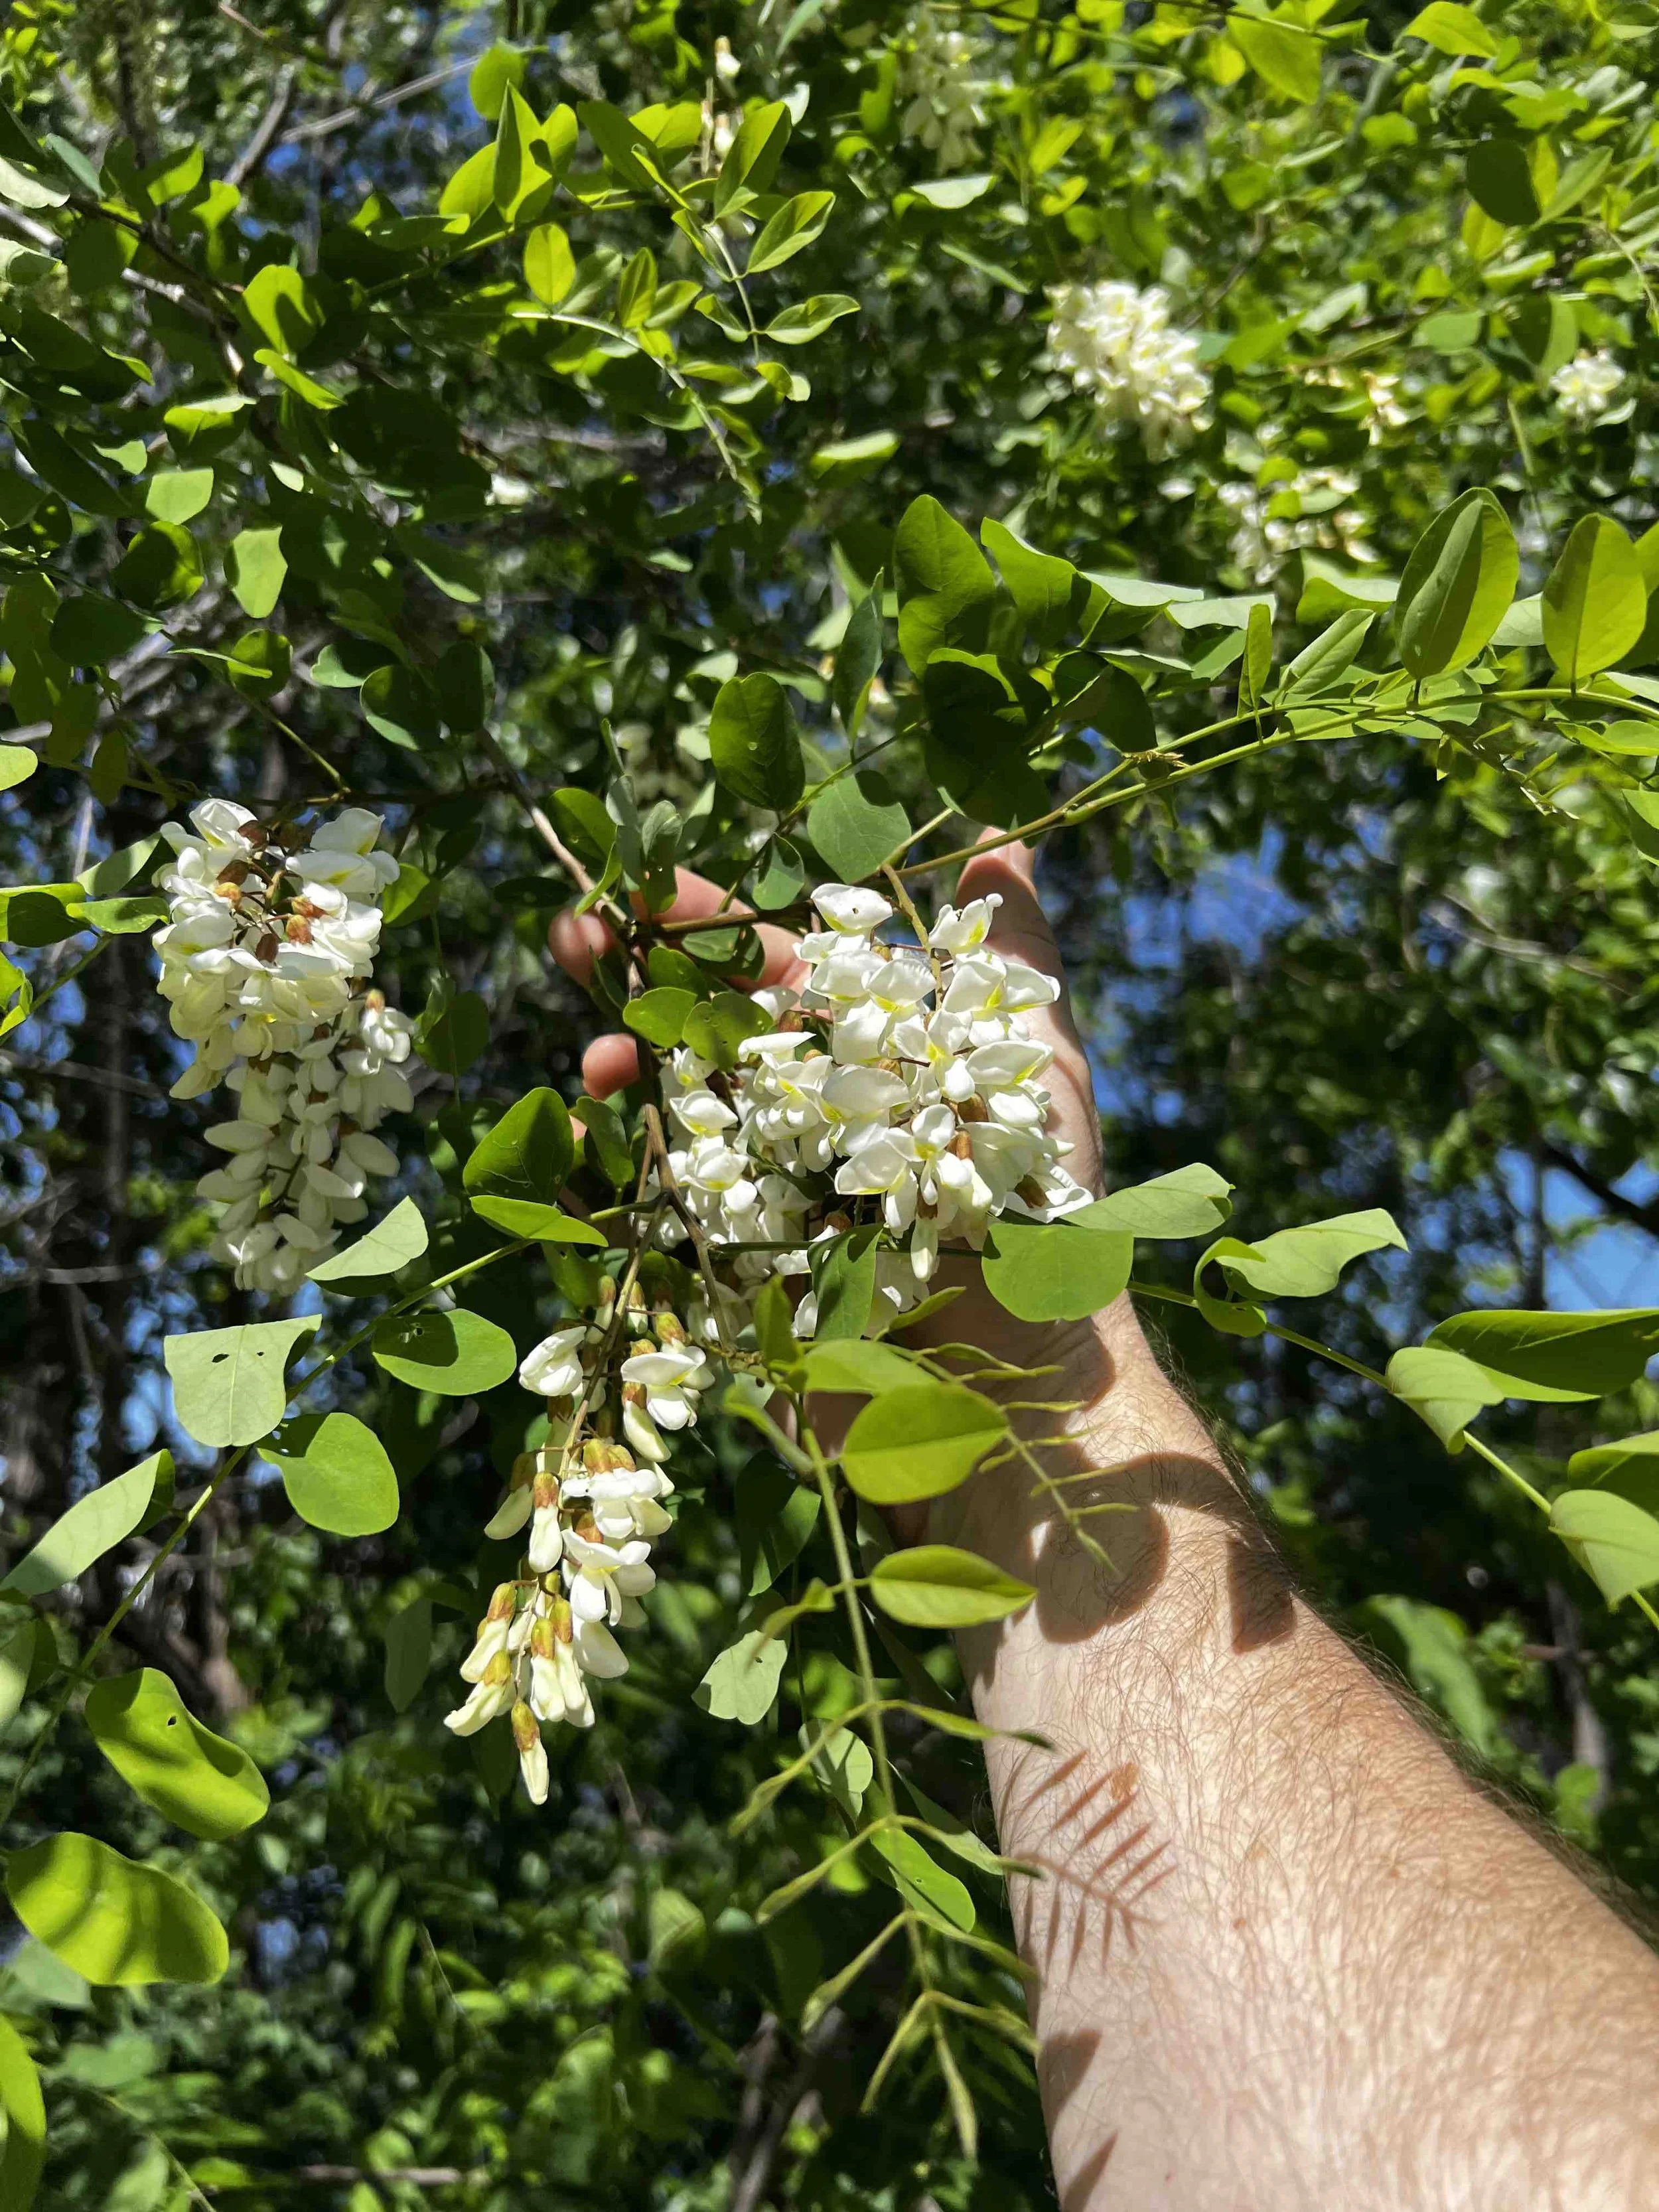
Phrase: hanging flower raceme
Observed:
(592, 1507)
(897, 1088)
(1587, 388)
(266, 958)
(938, 81)
(1114, 342)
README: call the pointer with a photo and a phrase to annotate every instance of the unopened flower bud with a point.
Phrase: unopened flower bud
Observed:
(527, 1730)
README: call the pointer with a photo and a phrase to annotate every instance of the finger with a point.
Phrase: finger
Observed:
(609, 1064)
(1021, 928)
(576, 940)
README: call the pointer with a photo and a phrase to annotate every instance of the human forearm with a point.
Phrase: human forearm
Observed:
(1286, 1953)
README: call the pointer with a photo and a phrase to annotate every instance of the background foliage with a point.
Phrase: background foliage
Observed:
(1386, 973)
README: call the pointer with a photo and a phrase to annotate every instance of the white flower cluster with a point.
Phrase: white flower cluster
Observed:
(593, 1508)
(898, 1085)
(1114, 342)
(266, 958)
(937, 78)
(896, 1088)
(1585, 388)
(1262, 541)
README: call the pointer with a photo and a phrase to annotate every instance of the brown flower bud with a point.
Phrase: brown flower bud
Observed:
(973, 1108)
(545, 1492)
(564, 1625)
(526, 1728)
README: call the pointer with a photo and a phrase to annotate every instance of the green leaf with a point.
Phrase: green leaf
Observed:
(751, 159)
(742, 1683)
(776, 1516)
(1306, 1262)
(94, 1524)
(580, 819)
(855, 824)
(858, 662)
(402, 706)
(549, 1224)
(1631, 1468)
(550, 266)
(23, 2150)
(753, 744)
(1432, 1646)
(1596, 599)
(283, 308)
(1457, 586)
(454, 1032)
(89, 629)
(921, 1882)
(523, 1160)
(161, 569)
(659, 1015)
(844, 1282)
(259, 663)
(1283, 53)
(1444, 1387)
(495, 72)
(1556, 1357)
(35, 918)
(456, 1354)
(26, 1657)
(936, 1586)
(1452, 29)
(408, 1653)
(1189, 1201)
(1614, 1541)
(810, 319)
(178, 495)
(17, 765)
(1320, 665)
(228, 1386)
(118, 1923)
(1045, 588)
(795, 225)
(951, 192)
(1055, 1271)
(336, 1474)
(860, 1364)
(470, 192)
(606, 1145)
(391, 1244)
(919, 1442)
(164, 1754)
(1500, 181)
(716, 1027)
(254, 568)
(941, 576)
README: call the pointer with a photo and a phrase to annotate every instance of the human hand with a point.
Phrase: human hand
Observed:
(1080, 1357)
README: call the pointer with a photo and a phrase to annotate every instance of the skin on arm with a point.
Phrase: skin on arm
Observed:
(1284, 1954)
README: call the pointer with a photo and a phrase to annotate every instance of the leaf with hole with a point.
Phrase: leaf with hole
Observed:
(116, 1923)
(455, 1354)
(229, 1385)
(200, 1782)
(920, 1442)
(742, 1683)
